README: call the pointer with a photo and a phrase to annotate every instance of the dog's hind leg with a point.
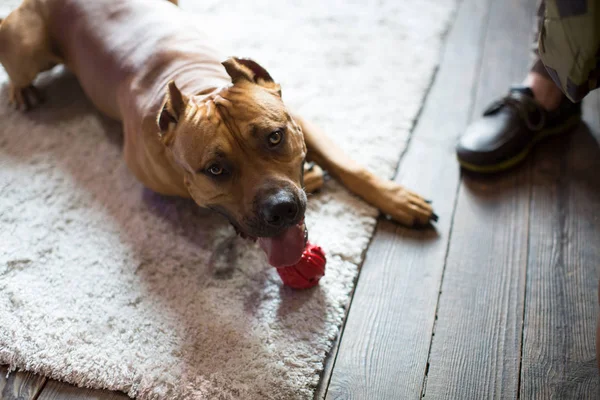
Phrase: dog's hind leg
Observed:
(25, 51)
(176, 2)
(391, 198)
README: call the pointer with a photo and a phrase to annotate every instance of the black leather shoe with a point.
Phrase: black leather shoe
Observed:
(509, 129)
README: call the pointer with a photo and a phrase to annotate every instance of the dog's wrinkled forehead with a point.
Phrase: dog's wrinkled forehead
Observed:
(241, 102)
(208, 106)
(241, 112)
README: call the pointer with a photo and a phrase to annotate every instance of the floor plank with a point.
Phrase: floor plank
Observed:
(324, 379)
(560, 319)
(62, 391)
(385, 343)
(476, 348)
(19, 385)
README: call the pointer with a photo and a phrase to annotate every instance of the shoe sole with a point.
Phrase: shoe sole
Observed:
(511, 162)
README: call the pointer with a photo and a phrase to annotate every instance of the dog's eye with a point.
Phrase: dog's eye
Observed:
(215, 169)
(275, 138)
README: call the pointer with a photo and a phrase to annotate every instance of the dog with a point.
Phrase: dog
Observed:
(194, 125)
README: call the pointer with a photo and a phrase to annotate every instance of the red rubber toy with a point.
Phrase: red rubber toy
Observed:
(307, 272)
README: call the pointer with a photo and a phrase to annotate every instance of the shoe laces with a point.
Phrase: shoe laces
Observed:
(527, 108)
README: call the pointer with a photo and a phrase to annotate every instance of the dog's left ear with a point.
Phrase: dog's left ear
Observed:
(249, 70)
(172, 111)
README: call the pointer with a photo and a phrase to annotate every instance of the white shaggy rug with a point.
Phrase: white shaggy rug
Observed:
(106, 284)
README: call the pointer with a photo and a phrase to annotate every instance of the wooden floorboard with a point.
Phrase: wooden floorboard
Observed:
(323, 386)
(562, 279)
(385, 343)
(476, 348)
(62, 391)
(19, 385)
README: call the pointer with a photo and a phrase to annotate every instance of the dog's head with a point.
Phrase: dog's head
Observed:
(242, 155)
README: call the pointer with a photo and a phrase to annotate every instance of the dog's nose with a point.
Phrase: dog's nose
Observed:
(280, 209)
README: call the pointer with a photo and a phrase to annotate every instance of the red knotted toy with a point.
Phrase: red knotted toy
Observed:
(306, 272)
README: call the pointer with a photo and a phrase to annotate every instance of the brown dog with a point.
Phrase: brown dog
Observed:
(194, 126)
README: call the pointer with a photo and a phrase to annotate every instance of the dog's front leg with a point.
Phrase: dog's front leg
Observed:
(313, 177)
(391, 198)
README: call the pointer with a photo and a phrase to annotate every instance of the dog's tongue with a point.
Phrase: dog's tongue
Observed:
(285, 249)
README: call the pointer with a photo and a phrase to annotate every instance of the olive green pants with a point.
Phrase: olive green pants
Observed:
(568, 45)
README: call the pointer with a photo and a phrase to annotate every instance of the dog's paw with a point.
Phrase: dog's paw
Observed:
(24, 98)
(313, 178)
(406, 207)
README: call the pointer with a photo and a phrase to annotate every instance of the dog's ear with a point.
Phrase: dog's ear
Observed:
(246, 69)
(171, 112)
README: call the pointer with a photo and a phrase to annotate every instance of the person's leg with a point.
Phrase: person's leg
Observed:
(538, 79)
(569, 45)
(543, 87)
(511, 126)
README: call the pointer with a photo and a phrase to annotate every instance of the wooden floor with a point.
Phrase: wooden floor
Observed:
(500, 301)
